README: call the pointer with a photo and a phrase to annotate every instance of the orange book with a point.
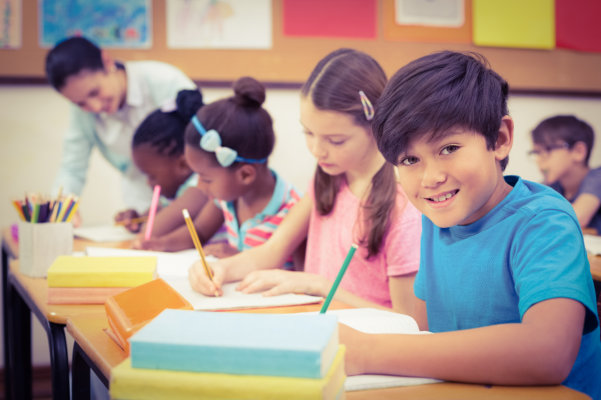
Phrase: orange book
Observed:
(133, 308)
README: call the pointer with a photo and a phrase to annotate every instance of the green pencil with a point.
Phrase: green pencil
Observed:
(345, 264)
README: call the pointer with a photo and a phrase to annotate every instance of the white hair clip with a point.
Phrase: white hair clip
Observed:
(368, 108)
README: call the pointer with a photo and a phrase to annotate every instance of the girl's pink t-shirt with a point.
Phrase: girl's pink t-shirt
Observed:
(331, 236)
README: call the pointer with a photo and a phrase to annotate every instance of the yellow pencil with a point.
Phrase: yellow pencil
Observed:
(196, 241)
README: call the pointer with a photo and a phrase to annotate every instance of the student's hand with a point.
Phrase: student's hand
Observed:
(220, 250)
(125, 217)
(356, 349)
(154, 244)
(200, 282)
(276, 281)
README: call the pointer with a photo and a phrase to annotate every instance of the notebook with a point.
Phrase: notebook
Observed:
(371, 320)
(173, 268)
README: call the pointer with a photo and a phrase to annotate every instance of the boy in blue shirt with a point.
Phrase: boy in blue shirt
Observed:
(504, 280)
(562, 147)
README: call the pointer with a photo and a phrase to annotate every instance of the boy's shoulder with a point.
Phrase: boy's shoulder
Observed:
(533, 197)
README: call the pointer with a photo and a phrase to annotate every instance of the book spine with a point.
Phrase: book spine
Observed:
(68, 295)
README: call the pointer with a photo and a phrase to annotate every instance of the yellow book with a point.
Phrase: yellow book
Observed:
(73, 271)
(136, 383)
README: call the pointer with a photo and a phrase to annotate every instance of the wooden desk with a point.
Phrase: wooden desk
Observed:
(94, 349)
(22, 296)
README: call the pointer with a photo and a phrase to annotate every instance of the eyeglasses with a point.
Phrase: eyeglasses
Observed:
(546, 150)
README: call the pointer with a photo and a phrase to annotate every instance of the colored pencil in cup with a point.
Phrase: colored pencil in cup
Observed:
(153, 210)
(345, 264)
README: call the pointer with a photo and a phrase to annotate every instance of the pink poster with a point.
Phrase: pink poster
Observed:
(577, 24)
(330, 18)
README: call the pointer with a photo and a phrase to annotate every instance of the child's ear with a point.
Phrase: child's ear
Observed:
(505, 138)
(246, 174)
(181, 166)
(578, 151)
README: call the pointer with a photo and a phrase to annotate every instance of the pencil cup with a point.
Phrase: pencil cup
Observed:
(41, 243)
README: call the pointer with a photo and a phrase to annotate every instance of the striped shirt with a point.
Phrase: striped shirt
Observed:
(259, 228)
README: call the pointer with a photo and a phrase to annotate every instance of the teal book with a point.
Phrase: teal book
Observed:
(293, 345)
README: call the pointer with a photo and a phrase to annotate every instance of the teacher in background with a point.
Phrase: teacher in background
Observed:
(109, 100)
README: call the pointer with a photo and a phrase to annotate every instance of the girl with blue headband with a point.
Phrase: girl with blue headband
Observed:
(227, 145)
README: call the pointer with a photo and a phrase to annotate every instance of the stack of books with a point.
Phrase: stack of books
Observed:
(91, 280)
(215, 355)
(128, 311)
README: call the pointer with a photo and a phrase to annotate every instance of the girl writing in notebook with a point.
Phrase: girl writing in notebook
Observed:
(353, 199)
(227, 145)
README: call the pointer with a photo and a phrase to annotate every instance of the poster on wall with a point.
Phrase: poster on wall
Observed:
(219, 24)
(514, 23)
(330, 18)
(418, 21)
(443, 13)
(109, 23)
(10, 24)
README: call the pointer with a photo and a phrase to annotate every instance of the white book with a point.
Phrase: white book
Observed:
(371, 320)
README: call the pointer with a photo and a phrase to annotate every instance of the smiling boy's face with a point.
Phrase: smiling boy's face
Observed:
(455, 180)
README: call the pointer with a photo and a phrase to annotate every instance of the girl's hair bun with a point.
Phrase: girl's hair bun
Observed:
(188, 102)
(248, 92)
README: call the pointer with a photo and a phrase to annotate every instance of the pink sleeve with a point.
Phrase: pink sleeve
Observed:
(402, 244)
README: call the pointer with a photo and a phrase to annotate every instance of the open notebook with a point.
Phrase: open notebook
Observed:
(371, 320)
(173, 268)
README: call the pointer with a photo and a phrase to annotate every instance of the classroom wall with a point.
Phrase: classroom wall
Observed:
(33, 119)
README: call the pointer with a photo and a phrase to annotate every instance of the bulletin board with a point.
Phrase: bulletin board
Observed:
(290, 59)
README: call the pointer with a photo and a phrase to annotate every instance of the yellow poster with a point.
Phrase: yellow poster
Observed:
(514, 23)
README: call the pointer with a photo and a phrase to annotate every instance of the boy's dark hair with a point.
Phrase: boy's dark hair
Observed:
(241, 122)
(334, 85)
(70, 57)
(567, 129)
(435, 93)
(164, 129)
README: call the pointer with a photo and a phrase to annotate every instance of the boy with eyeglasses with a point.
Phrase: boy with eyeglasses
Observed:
(562, 148)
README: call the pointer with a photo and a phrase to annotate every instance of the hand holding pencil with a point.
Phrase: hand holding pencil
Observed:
(131, 220)
(201, 276)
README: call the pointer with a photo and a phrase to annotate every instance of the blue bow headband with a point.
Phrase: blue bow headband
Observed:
(211, 141)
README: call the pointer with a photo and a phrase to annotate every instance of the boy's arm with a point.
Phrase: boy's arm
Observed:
(586, 206)
(538, 351)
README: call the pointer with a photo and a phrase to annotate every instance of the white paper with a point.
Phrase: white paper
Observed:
(168, 264)
(108, 233)
(233, 299)
(371, 320)
(592, 244)
(173, 269)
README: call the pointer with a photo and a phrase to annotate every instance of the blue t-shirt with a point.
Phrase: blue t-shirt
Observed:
(527, 249)
(591, 184)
